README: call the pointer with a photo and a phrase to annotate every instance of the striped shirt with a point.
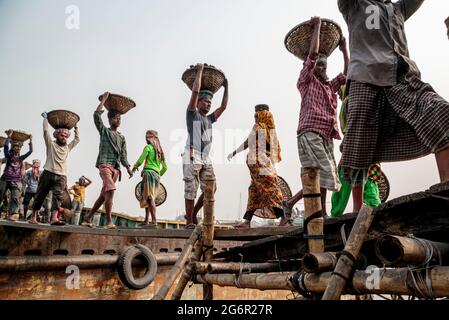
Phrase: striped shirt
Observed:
(318, 102)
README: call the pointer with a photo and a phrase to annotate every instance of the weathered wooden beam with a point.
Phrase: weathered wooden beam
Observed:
(310, 178)
(37, 263)
(208, 231)
(326, 261)
(344, 268)
(179, 265)
(395, 250)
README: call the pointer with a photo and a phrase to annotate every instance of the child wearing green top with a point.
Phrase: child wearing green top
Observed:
(155, 166)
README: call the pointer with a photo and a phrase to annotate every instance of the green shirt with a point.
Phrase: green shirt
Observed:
(151, 163)
(112, 145)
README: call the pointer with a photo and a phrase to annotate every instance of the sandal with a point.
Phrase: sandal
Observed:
(111, 227)
(87, 224)
(190, 226)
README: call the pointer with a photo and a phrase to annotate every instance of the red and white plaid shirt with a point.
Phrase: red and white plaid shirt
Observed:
(318, 102)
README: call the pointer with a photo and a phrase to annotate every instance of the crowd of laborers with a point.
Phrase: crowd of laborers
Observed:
(388, 114)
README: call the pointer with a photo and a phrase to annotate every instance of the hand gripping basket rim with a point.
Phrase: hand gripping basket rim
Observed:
(19, 136)
(52, 116)
(325, 46)
(213, 78)
(126, 103)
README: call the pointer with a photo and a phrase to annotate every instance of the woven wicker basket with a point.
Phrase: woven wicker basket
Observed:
(212, 79)
(19, 136)
(2, 142)
(285, 188)
(298, 39)
(62, 119)
(161, 193)
(384, 187)
(118, 103)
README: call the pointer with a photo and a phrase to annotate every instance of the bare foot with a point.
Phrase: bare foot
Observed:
(33, 221)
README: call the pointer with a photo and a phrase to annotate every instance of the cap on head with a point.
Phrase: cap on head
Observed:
(261, 107)
(205, 94)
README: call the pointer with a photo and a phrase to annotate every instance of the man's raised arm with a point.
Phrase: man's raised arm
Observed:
(224, 102)
(196, 87)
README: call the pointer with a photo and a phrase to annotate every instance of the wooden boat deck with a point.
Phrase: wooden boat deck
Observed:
(220, 234)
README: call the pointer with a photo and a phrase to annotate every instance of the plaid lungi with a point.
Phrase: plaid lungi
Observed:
(317, 152)
(399, 123)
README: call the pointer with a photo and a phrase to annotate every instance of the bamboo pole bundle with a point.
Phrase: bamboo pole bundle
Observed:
(188, 272)
(387, 281)
(376, 281)
(326, 261)
(395, 250)
(208, 231)
(179, 265)
(313, 216)
(235, 267)
(344, 268)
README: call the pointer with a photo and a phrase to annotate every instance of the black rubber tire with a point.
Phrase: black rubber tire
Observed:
(124, 267)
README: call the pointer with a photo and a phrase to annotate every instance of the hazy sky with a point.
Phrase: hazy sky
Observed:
(140, 48)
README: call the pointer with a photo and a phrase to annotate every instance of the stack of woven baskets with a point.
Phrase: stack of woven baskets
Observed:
(212, 79)
(63, 119)
(299, 38)
(118, 103)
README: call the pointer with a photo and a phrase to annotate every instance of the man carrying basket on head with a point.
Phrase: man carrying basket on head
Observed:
(112, 153)
(318, 116)
(196, 162)
(12, 176)
(54, 177)
(393, 115)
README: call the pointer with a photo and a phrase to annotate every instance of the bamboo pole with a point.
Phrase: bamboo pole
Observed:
(326, 261)
(208, 231)
(188, 272)
(310, 178)
(236, 268)
(259, 281)
(179, 265)
(395, 250)
(344, 268)
(30, 263)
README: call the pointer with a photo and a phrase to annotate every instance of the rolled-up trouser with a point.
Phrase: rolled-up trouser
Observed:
(16, 191)
(50, 182)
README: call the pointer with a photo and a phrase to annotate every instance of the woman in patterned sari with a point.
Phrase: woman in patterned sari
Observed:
(264, 194)
(154, 167)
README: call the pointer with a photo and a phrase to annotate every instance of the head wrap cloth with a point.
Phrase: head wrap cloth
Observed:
(265, 121)
(205, 94)
(61, 130)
